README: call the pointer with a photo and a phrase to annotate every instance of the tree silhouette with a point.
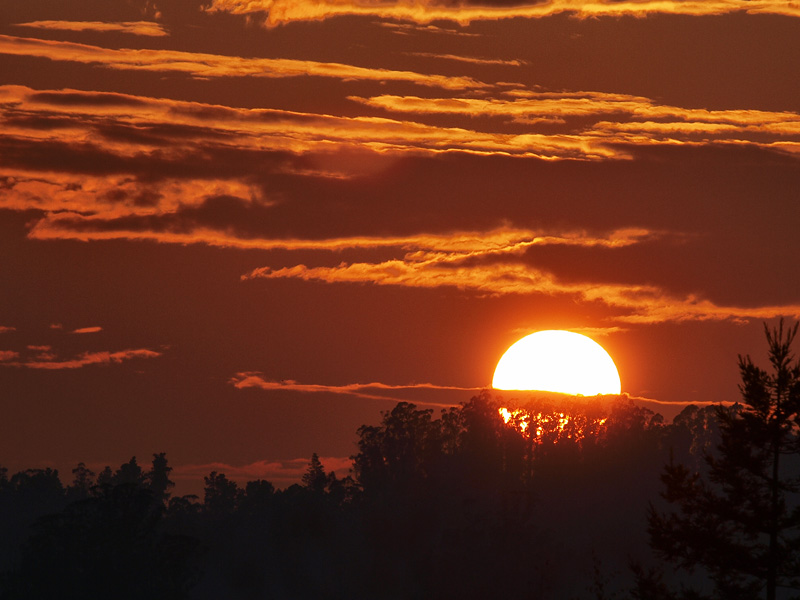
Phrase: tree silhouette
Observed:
(741, 521)
(129, 472)
(221, 495)
(158, 478)
(82, 483)
(315, 479)
(398, 453)
(110, 544)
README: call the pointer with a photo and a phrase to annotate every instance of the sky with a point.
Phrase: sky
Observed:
(236, 230)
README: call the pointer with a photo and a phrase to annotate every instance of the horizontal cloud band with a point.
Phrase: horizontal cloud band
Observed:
(463, 11)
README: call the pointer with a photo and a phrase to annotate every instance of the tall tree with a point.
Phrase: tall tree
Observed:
(158, 478)
(82, 483)
(740, 520)
(315, 478)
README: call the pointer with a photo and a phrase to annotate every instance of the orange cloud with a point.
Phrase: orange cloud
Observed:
(109, 196)
(262, 130)
(279, 12)
(48, 362)
(372, 391)
(215, 65)
(652, 121)
(638, 303)
(88, 330)
(6, 355)
(594, 331)
(4, 329)
(504, 240)
(145, 28)
(413, 28)
(330, 139)
(469, 59)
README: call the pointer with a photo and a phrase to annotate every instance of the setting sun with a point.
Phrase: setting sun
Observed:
(557, 361)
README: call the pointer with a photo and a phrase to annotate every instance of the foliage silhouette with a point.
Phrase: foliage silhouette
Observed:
(111, 543)
(741, 519)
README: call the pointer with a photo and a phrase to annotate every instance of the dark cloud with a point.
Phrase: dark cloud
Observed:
(187, 161)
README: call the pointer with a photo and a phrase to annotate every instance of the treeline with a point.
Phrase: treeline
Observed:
(458, 505)
(548, 500)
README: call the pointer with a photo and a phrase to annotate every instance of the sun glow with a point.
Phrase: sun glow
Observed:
(557, 361)
(552, 426)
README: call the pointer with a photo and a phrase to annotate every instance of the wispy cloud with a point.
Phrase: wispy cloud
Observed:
(371, 391)
(45, 131)
(7, 355)
(215, 65)
(173, 229)
(125, 127)
(88, 330)
(427, 28)
(144, 28)
(647, 400)
(5, 329)
(469, 59)
(645, 121)
(636, 303)
(595, 331)
(425, 11)
(48, 361)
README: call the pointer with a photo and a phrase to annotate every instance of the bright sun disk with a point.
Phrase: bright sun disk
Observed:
(557, 361)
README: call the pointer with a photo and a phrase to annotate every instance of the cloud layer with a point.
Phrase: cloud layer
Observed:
(278, 12)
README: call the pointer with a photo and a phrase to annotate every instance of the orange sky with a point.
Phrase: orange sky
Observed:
(236, 230)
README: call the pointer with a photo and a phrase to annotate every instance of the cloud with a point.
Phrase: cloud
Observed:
(112, 155)
(129, 134)
(647, 122)
(279, 12)
(469, 59)
(596, 331)
(144, 28)
(646, 400)
(414, 28)
(371, 391)
(88, 330)
(282, 472)
(202, 65)
(235, 223)
(634, 303)
(4, 329)
(47, 360)
(7, 355)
